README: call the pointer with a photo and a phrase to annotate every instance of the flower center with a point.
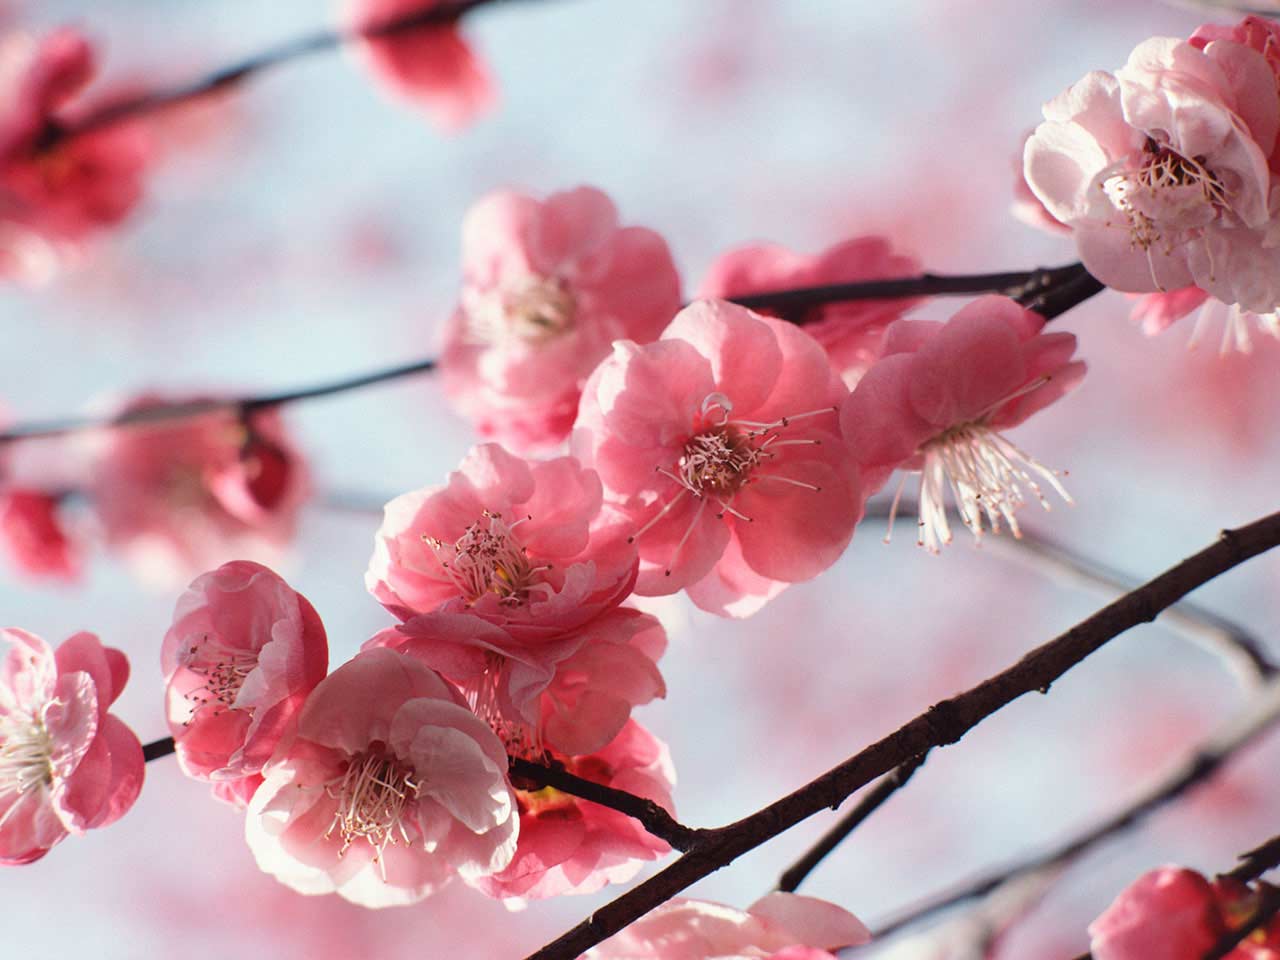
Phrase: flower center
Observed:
(530, 310)
(487, 558)
(223, 669)
(373, 794)
(25, 745)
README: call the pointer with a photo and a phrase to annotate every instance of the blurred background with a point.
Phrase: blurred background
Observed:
(306, 227)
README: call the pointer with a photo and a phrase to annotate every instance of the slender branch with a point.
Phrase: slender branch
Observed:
(1062, 296)
(157, 749)
(944, 723)
(889, 784)
(1257, 862)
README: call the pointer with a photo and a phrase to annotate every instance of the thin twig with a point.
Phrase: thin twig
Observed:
(944, 723)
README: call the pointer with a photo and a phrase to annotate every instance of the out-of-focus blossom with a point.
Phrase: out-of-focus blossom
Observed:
(547, 287)
(852, 333)
(390, 788)
(938, 399)
(781, 926)
(34, 536)
(56, 191)
(721, 445)
(66, 764)
(568, 845)
(183, 495)
(430, 66)
(242, 654)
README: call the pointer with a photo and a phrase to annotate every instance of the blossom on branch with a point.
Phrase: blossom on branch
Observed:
(34, 536)
(66, 764)
(547, 287)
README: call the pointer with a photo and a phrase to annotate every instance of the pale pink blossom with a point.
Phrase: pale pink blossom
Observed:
(390, 788)
(182, 495)
(938, 401)
(242, 654)
(1026, 206)
(780, 926)
(1156, 312)
(573, 846)
(852, 333)
(66, 764)
(431, 66)
(34, 536)
(547, 287)
(720, 444)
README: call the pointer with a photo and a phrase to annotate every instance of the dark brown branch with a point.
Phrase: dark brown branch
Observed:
(1064, 294)
(943, 724)
(889, 784)
(157, 749)
(1257, 861)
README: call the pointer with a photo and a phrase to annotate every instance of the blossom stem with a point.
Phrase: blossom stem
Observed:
(943, 724)
(157, 749)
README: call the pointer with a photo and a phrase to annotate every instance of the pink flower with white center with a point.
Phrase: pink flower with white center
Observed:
(242, 654)
(720, 444)
(52, 197)
(1161, 170)
(66, 764)
(780, 926)
(573, 846)
(33, 534)
(390, 788)
(518, 542)
(183, 495)
(431, 66)
(548, 285)
(938, 402)
(851, 333)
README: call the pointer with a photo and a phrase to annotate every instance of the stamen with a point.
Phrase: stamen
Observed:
(487, 558)
(25, 764)
(528, 310)
(373, 793)
(224, 669)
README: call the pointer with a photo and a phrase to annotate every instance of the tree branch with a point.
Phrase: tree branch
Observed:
(944, 723)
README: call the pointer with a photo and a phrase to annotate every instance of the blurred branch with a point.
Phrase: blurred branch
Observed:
(942, 724)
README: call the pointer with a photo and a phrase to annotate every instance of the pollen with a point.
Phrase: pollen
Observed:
(489, 558)
(224, 670)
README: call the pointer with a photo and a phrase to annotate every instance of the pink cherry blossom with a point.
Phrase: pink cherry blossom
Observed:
(34, 536)
(851, 333)
(432, 67)
(242, 654)
(66, 764)
(720, 444)
(781, 926)
(390, 788)
(572, 846)
(1166, 914)
(53, 196)
(938, 400)
(183, 495)
(547, 287)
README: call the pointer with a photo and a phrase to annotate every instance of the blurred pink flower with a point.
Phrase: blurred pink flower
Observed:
(938, 399)
(390, 788)
(781, 926)
(242, 654)
(34, 537)
(720, 445)
(547, 287)
(181, 496)
(66, 764)
(852, 333)
(431, 66)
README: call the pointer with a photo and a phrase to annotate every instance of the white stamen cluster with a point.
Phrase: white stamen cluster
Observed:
(530, 310)
(1237, 325)
(224, 670)
(374, 795)
(488, 558)
(25, 762)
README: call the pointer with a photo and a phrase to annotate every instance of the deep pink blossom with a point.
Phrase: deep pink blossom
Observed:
(242, 654)
(66, 764)
(432, 67)
(390, 788)
(547, 287)
(938, 400)
(34, 536)
(720, 444)
(851, 333)
(781, 926)
(181, 496)
(568, 845)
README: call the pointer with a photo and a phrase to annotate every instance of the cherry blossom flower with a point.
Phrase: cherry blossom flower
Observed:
(548, 286)
(518, 542)
(938, 401)
(781, 926)
(54, 194)
(66, 764)
(181, 496)
(390, 788)
(573, 846)
(431, 66)
(34, 536)
(720, 444)
(851, 333)
(242, 654)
